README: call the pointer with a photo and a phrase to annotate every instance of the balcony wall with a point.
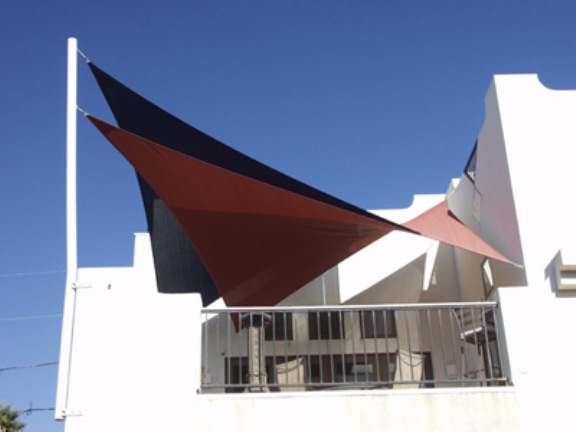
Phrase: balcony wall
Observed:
(440, 395)
(492, 408)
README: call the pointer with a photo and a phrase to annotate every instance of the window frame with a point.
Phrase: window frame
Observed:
(470, 168)
(331, 325)
(281, 327)
(385, 324)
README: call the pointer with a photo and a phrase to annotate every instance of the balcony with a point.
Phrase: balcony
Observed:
(352, 347)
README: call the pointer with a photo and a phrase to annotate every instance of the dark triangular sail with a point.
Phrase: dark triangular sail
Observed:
(141, 117)
(177, 263)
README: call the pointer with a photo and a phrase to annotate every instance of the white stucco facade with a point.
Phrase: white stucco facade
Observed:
(134, 352)
(534, 137)
(133, 355)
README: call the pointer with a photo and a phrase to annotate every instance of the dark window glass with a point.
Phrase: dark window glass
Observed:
(236, 370)
(377, 324)
(280, 327)
(470, 169)
(325, 325)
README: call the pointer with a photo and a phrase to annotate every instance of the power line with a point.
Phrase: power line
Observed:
(31, 410)
(34, 317)
(10, 368)
(32, 273)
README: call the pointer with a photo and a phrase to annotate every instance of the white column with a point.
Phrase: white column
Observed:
(71, 121)
(71, 234)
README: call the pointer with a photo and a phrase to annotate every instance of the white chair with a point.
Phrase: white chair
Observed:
(476, 328)
(290, 373)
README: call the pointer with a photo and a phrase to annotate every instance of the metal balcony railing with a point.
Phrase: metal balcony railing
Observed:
(351, 347)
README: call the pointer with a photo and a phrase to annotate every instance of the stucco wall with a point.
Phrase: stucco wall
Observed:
(456, 410)
(135, 357)
(526, 152)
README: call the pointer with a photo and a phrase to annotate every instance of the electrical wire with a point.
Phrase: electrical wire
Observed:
(34, 317)
(31, 410)
(32, 273)
(10, 368)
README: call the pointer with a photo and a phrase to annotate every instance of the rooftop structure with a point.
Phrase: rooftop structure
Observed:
(453, 314)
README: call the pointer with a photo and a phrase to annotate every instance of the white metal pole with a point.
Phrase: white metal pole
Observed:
(71, 127)
(61, 409)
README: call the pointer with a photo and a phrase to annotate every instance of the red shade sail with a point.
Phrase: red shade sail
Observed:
(440, 224)
(259, 242)
(222, 223)
(178, 266)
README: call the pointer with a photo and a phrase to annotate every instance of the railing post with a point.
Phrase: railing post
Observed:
(255, 324)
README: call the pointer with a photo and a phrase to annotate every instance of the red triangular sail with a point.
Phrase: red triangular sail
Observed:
(259, 242)
(440, 224)
(178, 266)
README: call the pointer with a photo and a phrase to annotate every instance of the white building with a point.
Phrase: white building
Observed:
(136, 359)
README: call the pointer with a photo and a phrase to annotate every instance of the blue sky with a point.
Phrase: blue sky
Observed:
(371, 101)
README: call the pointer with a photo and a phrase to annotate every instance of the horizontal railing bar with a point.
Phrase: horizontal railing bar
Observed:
(453, 383)
(466, 305)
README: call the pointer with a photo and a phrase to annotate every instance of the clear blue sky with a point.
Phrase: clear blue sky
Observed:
(371, 101)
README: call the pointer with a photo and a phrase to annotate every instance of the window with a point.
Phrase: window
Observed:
(359, 368)
(492, 364)
(487, 278)
(366, 368)
(321, 369)
(325, 325)
(280, 328)
(356, 372)
(377, 324)
(236, 370)
(470, 169)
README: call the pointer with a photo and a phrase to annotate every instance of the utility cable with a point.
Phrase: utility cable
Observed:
(32, 273)
(34, 317)
(10, 368)
(31, 410)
